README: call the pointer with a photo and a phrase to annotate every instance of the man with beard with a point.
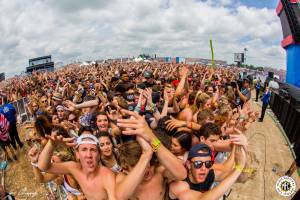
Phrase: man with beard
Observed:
(201, 175)
(96, 182)
(145, 177)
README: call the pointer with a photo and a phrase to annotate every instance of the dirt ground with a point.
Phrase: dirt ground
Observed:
(269, 155)
(19, 177)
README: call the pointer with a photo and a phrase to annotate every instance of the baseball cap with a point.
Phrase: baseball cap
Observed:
(148, 74)
(194, 151)
(247, 80)
(81, 140)
(57, 96)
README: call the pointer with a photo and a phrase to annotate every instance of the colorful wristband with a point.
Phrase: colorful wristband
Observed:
(243, 170)
(155, 144)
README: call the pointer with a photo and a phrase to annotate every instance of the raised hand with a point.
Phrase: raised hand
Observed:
(239, 139)
(33, 154)
(68, 125)
(69, 105)
(146, 147)
(240, 157)
(166, 97)
(112, 114)
(245, 110)
(148, 94)
(137, 125)
(174, 123)
(59, 139)
(184, 71)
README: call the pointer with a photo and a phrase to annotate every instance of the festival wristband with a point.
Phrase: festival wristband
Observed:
(243, 170)
(238, 168)
(155, 144)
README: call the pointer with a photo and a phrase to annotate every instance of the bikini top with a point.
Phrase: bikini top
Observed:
(70, 189)
(116, 168)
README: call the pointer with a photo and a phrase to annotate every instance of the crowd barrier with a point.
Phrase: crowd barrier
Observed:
(22, 110)
(289, 117)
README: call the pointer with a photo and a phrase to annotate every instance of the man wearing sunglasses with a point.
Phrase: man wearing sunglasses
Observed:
(201, 175)
(200, 162)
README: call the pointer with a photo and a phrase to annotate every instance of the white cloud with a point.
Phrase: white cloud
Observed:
(97, 29)
(225, 2)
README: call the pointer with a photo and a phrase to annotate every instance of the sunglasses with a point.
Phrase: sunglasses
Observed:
(44, 101)
(199, 164)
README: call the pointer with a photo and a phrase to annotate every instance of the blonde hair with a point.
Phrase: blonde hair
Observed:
(201, 100)
(129, 154)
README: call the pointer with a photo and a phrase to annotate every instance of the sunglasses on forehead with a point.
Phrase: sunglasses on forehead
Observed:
(199, 164)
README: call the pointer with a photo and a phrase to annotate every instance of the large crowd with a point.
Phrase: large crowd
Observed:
(125, 130)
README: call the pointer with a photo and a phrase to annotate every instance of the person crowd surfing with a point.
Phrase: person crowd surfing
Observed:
(136, 130)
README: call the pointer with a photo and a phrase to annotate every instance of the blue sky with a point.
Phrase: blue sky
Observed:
(82, 30)
(259, 3)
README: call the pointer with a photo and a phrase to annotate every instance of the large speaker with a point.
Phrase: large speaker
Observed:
(293, 92)
(2, 76)
(271, 75)
(289, 14)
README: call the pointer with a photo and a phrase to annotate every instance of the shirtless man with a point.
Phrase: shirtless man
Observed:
(96, 182)
(142, 178)
(201, 175)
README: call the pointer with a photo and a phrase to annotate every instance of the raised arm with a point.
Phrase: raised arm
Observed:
(44, 162)
(222, 170)
(218, 191)
(242, 97)
(174, 168)
(33, 155)
(127, 184)
(71, 106)
(164, 111)
(180, 88)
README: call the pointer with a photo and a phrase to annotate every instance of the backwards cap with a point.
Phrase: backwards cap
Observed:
(194, 151)
(92, 140)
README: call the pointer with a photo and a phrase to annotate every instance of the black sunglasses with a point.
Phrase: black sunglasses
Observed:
(199, 164)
